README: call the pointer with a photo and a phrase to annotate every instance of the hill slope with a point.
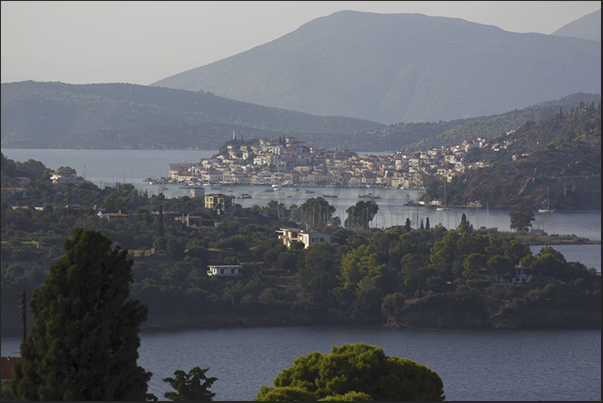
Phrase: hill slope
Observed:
(125, 116)
(560, 155)
(401, 68)
(587, 27)
(57, 115)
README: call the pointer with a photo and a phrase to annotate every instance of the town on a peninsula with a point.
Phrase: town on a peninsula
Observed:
(288, 161)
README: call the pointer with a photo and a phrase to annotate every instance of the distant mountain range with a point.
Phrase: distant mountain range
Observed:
(587, 27)
(127, 116)
(393, 68)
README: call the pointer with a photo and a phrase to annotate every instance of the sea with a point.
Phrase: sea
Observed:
(474, 364)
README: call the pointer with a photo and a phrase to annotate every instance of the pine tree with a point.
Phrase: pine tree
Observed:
(464, 225)
(84, 342)
(427, 223)
(189, 387)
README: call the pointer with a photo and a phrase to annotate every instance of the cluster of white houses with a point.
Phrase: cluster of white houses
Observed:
(267, 162)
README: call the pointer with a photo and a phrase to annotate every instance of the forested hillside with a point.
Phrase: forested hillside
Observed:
(414, 136)
(560, 156)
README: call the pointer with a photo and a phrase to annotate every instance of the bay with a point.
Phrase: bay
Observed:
(105, 167)
(497, 365)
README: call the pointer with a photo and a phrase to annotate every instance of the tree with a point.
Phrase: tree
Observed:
(160, 223)
(464, 225)
(362, 213)
(393, 305)
(84, 341)
(318, 274)
(189, 387)
(359, 368)
(175, 248)
(316, 211)
(521, 217)
(500, 266)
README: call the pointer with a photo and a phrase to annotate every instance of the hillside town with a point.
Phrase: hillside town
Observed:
(290, 162)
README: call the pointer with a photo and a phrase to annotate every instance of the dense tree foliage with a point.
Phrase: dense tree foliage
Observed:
(84, 343)
(193, 386)
(358, 369)
(521, 218)
(362, 213)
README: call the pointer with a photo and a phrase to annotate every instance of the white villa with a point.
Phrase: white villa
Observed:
(308, 238)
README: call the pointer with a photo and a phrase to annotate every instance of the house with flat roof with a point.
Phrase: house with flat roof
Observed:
(224, 271)
(308, 238)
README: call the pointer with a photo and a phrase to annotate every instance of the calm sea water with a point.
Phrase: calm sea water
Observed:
(473, 364)
(133, 166)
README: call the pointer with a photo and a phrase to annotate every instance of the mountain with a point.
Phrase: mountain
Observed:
(127, 116)
(587, 27)
(560, 156)
(394, 68)
(110, 116)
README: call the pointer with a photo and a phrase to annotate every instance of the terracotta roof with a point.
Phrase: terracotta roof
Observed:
(7, 366)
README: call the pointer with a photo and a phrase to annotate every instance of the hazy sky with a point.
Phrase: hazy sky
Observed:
(143, 42)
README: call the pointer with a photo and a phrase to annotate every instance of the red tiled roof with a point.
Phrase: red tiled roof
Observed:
(7, 366)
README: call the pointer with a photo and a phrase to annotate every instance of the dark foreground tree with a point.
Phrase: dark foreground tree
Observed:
(189, 387)
(354, 372)
(362, 213)
(84, 341)
(521, 218)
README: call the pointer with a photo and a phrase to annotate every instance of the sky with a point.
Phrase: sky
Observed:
(143, 42)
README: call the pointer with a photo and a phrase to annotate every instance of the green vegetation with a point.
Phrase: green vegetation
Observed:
(189, 387)
(521, 218)
(557, 158)
(362, 213)
(354, 372)
(84, 343)
(414, 277)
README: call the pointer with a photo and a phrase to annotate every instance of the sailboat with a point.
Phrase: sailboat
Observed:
(547, 209)
(444, 207)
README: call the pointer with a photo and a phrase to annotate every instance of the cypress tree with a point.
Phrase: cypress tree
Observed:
(160, 223)
(84, 341)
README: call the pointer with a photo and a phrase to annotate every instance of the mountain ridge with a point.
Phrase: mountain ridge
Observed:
(401, 68)
(128, 116)
(587, 27)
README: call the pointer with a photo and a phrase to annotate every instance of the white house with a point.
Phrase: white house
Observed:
(66, 176)
(308, 238)
(521, 275)
(224, 271)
